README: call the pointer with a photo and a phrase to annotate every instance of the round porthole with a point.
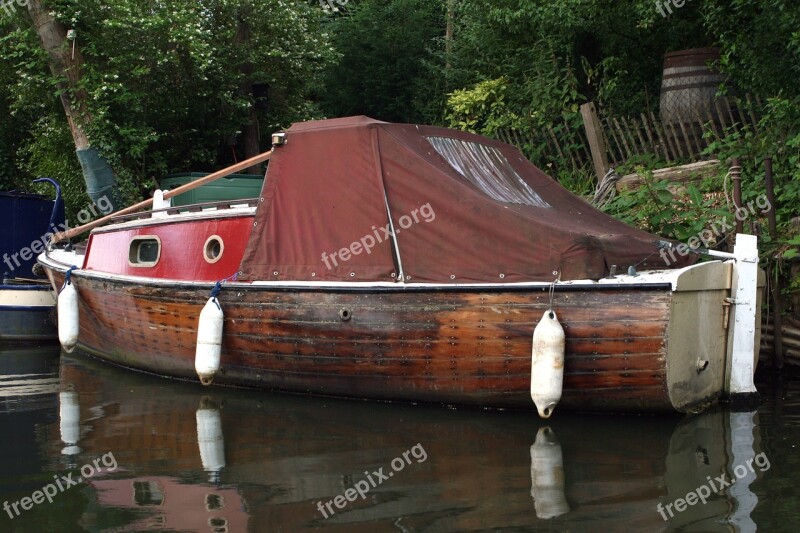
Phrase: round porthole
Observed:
(212, 251)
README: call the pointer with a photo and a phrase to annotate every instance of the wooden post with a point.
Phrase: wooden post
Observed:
(623, 137)
(773, 206)
(736, 178)
(663, 138)
(775, 286)
(740, 366)
(594, 134)
(620, 150)
(638, 131)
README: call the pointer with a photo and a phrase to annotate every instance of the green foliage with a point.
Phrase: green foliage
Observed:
(760, 43)
(552, 57)
(389, 67)
(665, 208)
(482, 108)
(167, 84)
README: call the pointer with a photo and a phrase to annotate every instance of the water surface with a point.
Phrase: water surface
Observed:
(157, 454)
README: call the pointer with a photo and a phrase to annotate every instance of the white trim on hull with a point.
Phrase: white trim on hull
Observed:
(61, 261)
(27, 298)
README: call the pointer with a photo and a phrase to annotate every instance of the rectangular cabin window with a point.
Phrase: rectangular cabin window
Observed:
(144, 251)
(487, 168)
(147, 493)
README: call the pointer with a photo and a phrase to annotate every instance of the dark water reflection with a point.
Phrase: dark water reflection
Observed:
(189, 458)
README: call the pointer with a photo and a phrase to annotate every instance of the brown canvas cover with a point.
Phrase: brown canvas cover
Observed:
(462, 209)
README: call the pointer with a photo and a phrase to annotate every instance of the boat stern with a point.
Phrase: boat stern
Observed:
(714, 331)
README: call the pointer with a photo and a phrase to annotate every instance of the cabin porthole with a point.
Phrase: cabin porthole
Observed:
(345, 314)
(144, 251)
(213, 248)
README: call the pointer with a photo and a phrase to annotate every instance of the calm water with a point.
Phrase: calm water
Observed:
(154, 454)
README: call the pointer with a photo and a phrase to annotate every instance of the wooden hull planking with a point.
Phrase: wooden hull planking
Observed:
(461, 347)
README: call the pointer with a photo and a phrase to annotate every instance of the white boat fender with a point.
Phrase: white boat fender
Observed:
(210, 438)
(209, 338)
(68, 315)
(547, 364)
(547, 476)
(69, 414)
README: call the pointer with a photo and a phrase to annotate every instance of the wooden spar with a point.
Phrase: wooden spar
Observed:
(60, 236)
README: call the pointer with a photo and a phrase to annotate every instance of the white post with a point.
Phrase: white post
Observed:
(740, 365)
(742, 453)
(160, 203)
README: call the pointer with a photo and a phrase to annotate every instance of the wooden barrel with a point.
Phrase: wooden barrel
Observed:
(689, 85)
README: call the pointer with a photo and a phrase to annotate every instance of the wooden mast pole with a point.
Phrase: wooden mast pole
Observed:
(238, 167)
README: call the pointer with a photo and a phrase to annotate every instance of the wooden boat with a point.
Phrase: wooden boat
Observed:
(27, 302)
(403, 262)
(613, 471)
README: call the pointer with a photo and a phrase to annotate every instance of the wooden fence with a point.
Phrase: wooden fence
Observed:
(622, 138)
(557, 145)
(681, 141)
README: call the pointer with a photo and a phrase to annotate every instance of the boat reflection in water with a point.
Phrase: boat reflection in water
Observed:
(705, 453)
(199, 459)
(28, 398)
(28, 377)
(547, 475)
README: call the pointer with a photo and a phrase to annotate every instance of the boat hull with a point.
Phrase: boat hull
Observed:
(445, 345)
(27, 313)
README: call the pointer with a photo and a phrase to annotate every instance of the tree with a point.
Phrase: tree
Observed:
(167, 84)
(66, 66)
(390, 66)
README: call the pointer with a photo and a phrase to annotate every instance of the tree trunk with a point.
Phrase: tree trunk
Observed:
(250, 140)
(65, 61)
(448, 33)
(66, 65)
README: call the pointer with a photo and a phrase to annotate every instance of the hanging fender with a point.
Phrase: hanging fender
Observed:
(209, 338)
(547, 364)
(68, 314)
(547, 476)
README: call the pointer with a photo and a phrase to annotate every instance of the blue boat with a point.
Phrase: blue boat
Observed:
(27, 302)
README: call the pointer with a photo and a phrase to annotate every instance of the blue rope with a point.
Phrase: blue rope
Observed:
(68, 276)
(218, 285)
(216, 290)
